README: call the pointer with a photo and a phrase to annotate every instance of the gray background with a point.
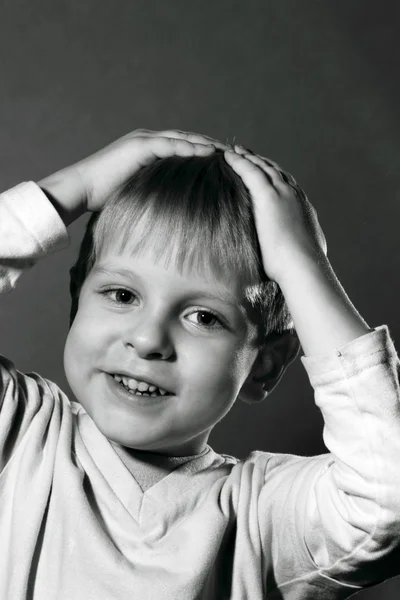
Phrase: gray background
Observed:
(312, 84)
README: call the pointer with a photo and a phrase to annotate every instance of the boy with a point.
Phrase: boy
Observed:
(116, 494)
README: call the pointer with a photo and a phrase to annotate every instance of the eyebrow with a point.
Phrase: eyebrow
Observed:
(224, 297)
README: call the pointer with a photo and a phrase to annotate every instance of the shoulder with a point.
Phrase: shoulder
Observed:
(260, 468)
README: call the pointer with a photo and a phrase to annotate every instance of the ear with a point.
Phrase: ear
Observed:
(272, 361)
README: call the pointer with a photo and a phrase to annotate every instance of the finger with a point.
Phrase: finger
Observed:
(274, 175)
(195, 138)
(163, 147)
(242, 150)
(271, 162)
(285, 175)
(254, 178)
(278, 175)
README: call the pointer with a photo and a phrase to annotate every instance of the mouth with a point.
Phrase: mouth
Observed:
(139, 388)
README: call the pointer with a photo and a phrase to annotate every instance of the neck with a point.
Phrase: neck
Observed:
(155, 458)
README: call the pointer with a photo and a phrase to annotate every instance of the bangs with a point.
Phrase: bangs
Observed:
(193, 212)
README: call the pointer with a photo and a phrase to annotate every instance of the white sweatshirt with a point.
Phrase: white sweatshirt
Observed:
(75, 524)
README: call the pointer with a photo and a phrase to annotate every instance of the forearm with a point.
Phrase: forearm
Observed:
(64, 190)
(323, 315)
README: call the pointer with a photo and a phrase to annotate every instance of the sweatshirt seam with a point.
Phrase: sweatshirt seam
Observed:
(357, 369)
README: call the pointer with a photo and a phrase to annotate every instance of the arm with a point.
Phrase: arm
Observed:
(352, 515)
(345, 512)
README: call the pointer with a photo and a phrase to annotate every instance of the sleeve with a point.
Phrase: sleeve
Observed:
(30, 228)
(336, 517)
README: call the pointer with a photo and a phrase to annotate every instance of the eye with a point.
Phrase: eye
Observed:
(122, 295)
(207, 319)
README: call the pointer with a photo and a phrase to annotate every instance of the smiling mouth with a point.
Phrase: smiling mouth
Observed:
(151, 392)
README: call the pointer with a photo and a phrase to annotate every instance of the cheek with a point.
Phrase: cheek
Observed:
(81, 346)
(73, 353)
(212, 369)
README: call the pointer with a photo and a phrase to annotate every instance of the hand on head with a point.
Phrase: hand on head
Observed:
(287, 224)
(87, 184)
(107, 169)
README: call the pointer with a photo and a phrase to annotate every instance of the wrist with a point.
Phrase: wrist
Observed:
(296, 265)
(65, 191)
(323, 315)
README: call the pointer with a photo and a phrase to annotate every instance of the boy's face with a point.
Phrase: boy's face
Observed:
(159, 328)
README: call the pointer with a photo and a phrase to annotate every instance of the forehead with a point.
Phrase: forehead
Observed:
(182, 240)
(191, 258)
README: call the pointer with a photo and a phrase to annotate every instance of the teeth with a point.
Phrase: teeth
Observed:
(139, 386)
(132, 383)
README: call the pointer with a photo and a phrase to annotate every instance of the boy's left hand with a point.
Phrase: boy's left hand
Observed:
(287, 224)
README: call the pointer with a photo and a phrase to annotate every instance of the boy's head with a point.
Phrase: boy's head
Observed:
(196, 314)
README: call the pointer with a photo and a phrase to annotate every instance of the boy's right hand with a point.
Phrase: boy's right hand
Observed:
(87, 184)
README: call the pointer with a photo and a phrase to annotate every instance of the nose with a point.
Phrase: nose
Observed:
(150, 338)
